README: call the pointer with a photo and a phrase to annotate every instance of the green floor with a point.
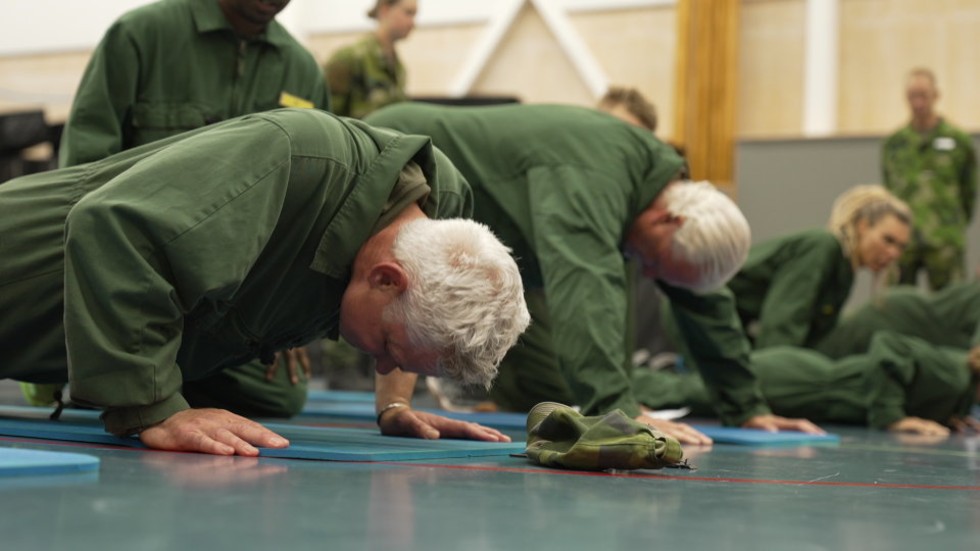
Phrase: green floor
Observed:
(873, 491)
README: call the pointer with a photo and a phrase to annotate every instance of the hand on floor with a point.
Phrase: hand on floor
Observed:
(419, 424)
(682, 432)
(775, 423)
(214, 431)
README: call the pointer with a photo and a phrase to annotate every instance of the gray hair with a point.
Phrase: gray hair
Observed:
(715, 235)
(465, 296)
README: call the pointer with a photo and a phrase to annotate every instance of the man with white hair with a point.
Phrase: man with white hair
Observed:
(572, 190)
(171, 261)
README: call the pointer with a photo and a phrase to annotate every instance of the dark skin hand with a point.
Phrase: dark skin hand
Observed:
(294, 357)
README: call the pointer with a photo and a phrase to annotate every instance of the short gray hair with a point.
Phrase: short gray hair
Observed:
(715, 235)
(465, 297)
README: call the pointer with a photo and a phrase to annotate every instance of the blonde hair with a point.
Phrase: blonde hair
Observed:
(868, 203)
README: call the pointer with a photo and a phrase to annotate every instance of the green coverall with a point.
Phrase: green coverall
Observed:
(177, 65)
(936, 174)
(173, 260)
(361, 80)
(949, 317)
(791, 289)
(561, 185)
(899, 376)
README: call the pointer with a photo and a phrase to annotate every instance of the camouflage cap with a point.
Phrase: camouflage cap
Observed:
(559, 436)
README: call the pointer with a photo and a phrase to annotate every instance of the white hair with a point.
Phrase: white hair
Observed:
(465, 297)
(714, 236)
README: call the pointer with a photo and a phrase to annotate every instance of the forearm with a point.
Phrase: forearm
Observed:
(397, 386)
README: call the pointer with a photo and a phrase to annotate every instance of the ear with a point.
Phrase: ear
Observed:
(388, 277)
(661, 215)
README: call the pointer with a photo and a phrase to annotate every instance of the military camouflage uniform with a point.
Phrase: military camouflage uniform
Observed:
(936, 174)
(362, 80)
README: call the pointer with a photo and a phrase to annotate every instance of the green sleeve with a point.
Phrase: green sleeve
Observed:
(714, 336)
(455, 194)
(576, 239)
(793, 298)
(102, 103)
(176, 234)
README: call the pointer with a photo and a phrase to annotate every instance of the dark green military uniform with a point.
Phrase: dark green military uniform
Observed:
(362, 80)
(791, 289)
(173, 260)
(936, 174)
(949, 317)
(899, 376)
(561, 186)
(177, 65)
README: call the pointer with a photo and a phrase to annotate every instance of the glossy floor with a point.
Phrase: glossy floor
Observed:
(872, 491)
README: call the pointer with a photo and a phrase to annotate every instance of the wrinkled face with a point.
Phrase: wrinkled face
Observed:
(362, 324)
(399, 18)
(921, 95)
(882, 244)
(649, 240)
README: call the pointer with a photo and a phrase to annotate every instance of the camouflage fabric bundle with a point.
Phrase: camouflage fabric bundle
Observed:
(559, 436)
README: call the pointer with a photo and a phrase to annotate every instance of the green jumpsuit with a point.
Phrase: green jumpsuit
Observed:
(561, 185)
(949, 317)
(177, 65)
(899, 376)
(173, 260)
(791, 289)
(361, 80)
(936, 174)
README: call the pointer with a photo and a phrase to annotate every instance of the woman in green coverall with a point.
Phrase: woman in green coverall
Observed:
(571, 190)
(173, 260)
(901, 384)
(791, 289)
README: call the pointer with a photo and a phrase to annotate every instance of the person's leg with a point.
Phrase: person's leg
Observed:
(529, 373)
(246, 391)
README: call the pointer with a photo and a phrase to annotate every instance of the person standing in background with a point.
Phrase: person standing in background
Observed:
(177, 65)
(932, 166)
(368, 75)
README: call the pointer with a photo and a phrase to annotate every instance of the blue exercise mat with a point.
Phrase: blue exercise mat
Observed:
(755, 437)
(20, 462)
(323, 443)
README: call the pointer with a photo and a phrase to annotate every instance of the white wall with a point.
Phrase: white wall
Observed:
(49, 26)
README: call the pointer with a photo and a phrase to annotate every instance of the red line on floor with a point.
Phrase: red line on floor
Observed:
(728, 480)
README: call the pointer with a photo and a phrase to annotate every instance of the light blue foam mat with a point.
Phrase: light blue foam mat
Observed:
(323, 443)
(365, 412)
(21, 462)
(755, 437)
